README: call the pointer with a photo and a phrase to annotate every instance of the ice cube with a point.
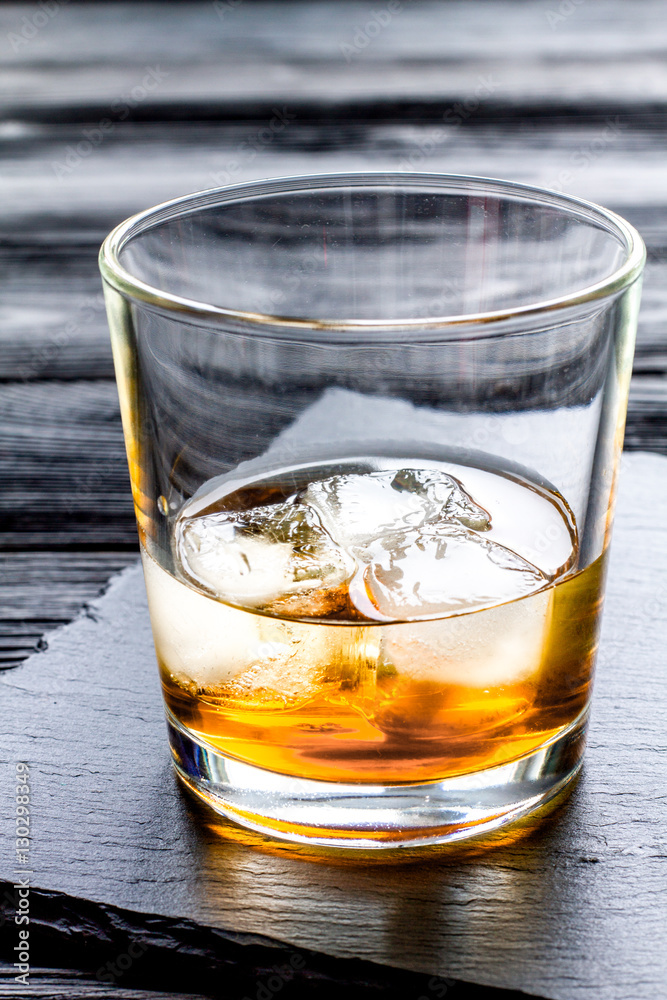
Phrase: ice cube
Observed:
(439, 569)
(197, 638)
(445, 496)
(284, 672)
(275, 552)
(496, 647)
(220, 651)
(388, 545)
(357, 507)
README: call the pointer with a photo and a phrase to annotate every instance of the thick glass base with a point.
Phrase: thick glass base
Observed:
(329, 814)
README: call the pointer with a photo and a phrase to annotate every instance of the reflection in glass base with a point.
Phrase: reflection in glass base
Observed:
(377, 816)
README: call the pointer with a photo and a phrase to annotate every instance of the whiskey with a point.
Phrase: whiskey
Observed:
(376, 621)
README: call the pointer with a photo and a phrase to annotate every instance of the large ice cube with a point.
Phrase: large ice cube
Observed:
(220, 651)
(444, 497)
(284, 673)
(355, 508)
(276, 552)
(198, 639)
(439, 569)
(500, 646)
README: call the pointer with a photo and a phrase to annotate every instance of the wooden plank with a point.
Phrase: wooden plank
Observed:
(56, 328)
(56, 196)
(63, 463)
(569, 912)
(646, 427)
(52, 319)
(41, 590)
(201, 155)
(53, 322)
(333, 54)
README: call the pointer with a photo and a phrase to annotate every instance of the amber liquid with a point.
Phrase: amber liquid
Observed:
(378, 702)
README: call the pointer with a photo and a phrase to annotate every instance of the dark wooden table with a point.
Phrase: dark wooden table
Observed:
(109, 108)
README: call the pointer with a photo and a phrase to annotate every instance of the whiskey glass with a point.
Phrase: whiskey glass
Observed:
(373, 424)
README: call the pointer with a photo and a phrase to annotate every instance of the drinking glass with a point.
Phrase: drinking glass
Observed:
(373, 424)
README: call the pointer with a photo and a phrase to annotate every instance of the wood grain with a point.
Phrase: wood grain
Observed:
(568, 911)
(62, 461)
(55, 193)
(603, 54)
(41, 590)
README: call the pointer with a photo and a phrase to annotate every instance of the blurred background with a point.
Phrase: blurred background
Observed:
(109, 108)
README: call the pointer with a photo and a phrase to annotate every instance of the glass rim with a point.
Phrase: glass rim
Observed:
(127, 284)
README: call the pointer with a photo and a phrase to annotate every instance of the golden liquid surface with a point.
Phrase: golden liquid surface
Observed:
(381, 701)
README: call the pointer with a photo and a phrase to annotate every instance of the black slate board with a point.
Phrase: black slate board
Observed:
(573, 909)
(60, 984)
